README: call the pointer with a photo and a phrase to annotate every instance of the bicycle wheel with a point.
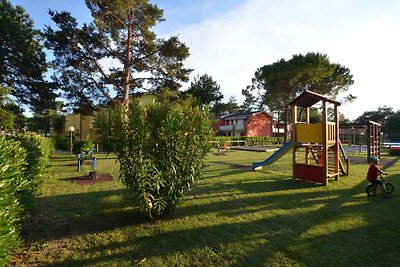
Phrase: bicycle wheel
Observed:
(389, 188)
(371, 190)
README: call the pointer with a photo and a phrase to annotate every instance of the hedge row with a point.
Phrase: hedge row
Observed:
(394, 151)
(23, 159)
(248, 141)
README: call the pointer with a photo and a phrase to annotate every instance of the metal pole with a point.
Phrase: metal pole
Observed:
(79, 162)
(70, 143)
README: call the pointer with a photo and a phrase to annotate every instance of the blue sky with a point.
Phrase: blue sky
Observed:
(230, 39)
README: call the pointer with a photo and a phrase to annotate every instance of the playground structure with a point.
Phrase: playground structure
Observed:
(81, 157)
(320, 142)
(374, 135)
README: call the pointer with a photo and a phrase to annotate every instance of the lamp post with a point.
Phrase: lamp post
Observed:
(71, 130)
(361, 141)
(354, 135)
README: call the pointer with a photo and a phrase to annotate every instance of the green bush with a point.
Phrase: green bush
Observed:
(160, 149)
(12, 180)
(38, 151)
(85, 146)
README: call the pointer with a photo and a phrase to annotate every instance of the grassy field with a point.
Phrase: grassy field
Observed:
(232, 217)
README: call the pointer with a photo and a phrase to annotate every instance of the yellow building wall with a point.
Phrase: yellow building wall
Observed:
(146, 99)
(309, 133)
(71, 120)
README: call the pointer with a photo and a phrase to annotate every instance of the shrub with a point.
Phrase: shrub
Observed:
(85, 146)
(160, 149)
(12, 180)
(38, 151)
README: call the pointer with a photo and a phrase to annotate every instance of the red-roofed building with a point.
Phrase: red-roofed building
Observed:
(258, 123)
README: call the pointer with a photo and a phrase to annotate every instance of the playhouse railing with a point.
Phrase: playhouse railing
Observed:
(331, 132)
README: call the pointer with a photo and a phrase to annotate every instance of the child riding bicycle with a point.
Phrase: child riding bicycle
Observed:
(373, 173)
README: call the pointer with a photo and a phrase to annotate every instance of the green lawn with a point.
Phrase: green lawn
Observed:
(232, 217)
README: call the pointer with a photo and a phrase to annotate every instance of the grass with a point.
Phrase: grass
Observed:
(232, 217)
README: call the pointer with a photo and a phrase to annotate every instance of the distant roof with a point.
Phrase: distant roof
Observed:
(241, 115)
(309, 98)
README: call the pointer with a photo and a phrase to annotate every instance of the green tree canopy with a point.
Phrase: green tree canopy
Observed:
(205, 89)
(392, 127)
(250, 101)
(229, 107)
(381, 115)
(285, 79)
(116, 55)
(22, 60)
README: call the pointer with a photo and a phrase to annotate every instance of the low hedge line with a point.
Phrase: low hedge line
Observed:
(394, 151)
(248, 141)
(23, 159)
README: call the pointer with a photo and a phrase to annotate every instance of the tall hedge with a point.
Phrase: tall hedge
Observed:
(160, 149)
(12, 181)
(23, 160)
(38, 151)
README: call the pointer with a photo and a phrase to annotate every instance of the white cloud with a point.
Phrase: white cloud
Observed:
(231, 47)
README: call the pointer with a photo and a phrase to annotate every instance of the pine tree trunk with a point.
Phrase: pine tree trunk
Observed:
(127, 63)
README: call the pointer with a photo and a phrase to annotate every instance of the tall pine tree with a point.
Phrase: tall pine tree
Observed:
(115, 55)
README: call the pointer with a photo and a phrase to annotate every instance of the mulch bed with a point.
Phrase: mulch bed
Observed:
(100, 177)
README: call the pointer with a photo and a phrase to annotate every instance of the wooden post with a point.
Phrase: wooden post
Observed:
(294, 138)
(307, 115)
(325, 142)
(337, 140)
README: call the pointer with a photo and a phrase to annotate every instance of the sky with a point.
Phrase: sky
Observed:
(231, 39)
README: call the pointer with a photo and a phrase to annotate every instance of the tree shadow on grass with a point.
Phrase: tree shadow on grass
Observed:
(299, 236)
(60, 158)
(244, 167)
(269, 222)
(391, 163)
(261, 184)
(76, 214)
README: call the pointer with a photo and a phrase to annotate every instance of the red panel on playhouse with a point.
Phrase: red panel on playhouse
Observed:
(312, 173)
